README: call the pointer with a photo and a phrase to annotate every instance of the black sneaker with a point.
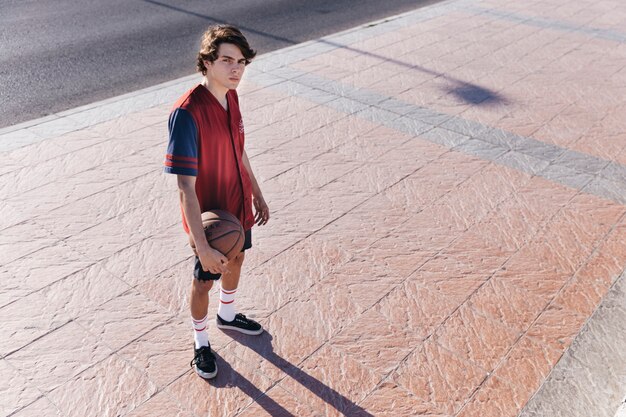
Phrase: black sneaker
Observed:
(204, 362)
(241, 324)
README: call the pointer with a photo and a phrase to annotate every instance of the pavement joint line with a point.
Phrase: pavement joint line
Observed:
(564, 381)
(470, 142)
(134, 154)
(546, 23)
(573, 277)
(168, 92)
(373, 195)
(565, 166)
(418, 268)
(409, 274)
(69, 203)
(171, 89)
(487, 371)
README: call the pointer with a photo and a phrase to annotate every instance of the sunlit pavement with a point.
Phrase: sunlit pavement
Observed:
(448, 237)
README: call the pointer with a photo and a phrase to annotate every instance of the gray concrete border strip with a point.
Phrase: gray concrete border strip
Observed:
(27, 133)
(580, 171)
(48, 127)
(590, 377)
(545, 23)
(585, 366)
(583, 172)
(37, 130)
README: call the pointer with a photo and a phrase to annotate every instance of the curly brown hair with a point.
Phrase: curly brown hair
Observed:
(217, 35)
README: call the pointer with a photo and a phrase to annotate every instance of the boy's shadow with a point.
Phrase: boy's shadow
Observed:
(262, 345)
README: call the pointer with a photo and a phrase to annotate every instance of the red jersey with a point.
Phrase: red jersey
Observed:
(207, 141)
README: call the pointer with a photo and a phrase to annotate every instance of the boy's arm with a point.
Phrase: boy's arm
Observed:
(262, 214)
(211, 260)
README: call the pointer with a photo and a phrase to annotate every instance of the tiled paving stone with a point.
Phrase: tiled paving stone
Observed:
(51, 196)
(584, 292)
(70, 142)
(34, 154)
(279, 402)
(474, 338)
(55, 358)
(150, 257)
(443, 173)
(329, 382)
(169, 289)
(439, 380)
(591, 370)
(162, 352)
(123, 319)
(12, 288)
(307, 329)
(405, 306)
(57, 304)
(109, 237)
(16, 391)
(23, 239)
(377, 341)
(505, 303)
(17, 138)
(556, 327)
(12, 216)
(160, 404)
(360, 275)
(82, 292)
(34, 272)
(41, 407)
(21, 330)
(44, 267)
(263, 354)
(390, 399)
(288, 275)
(110, 388)
(496, 397)
(235, 387)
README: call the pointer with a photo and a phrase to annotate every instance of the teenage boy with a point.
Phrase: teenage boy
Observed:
(206, 152)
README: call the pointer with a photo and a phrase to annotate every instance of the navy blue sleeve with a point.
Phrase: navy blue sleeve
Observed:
(182, 149)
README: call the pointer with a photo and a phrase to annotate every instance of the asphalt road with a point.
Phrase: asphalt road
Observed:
(57, 55)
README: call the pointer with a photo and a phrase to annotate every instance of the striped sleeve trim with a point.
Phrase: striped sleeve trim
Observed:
(181, 162)
(182, 158)
(182, 152)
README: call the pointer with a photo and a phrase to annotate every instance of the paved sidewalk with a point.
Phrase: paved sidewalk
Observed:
(448, 236)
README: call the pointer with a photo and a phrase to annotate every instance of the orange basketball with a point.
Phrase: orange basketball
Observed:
(223, 232)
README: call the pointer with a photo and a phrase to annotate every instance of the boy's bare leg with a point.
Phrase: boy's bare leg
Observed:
(230, 280)
(199, 300)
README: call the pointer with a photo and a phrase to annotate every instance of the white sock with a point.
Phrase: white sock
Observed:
(226, 309)
(200, 335)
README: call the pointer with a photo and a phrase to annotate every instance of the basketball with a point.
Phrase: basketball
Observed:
(223, 232)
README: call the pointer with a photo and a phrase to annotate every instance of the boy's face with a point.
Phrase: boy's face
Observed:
(228, 68)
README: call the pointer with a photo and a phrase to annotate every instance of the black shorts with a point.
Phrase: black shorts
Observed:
(203, 275)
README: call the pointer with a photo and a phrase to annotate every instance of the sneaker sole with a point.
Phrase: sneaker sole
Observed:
(206, 375)
(240, 330)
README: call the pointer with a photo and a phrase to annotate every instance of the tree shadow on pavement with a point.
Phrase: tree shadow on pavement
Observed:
(262, 345)
(467, 92)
